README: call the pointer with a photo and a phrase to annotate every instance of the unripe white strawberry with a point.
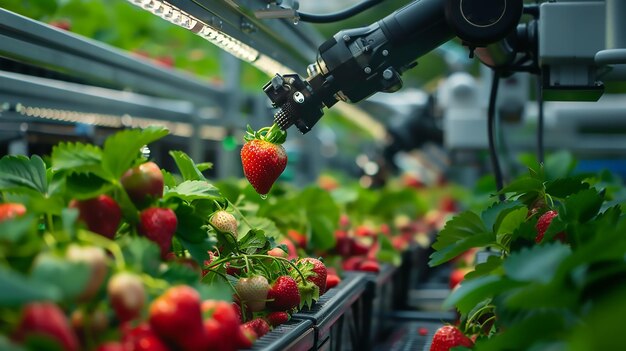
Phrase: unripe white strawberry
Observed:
(224, 222)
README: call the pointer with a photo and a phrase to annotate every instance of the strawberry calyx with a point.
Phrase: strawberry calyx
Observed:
(272, 134)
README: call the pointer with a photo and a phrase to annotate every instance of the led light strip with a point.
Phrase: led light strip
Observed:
(220, 39)
(180, 129)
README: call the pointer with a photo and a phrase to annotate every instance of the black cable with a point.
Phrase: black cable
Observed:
(540, 150)
(338, 16)
(491, 123)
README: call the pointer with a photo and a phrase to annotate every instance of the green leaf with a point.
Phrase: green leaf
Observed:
(122, 149)
(193, 190)
(69, 216)
(260, 223)
(543, 325)
(186, 166)
(491, 214)
(536, 264)
(18, 290)
(492, 264)
(523, 185)
(387, 253)
(70, 278)
(168, 179)
(217, 290)
(583, 205)
(190, 226)
(559, 165)
(21, 172)
(8, 345)
(511, 220)
(177, 273)
(554, 294)
(83, 186)
(471, 292)
(17, 229)
(451, 251)
(77, 157)
(252, 241)
(461, 226)
(141, 254)
(562, 187)
(322, 232)
(204, 166)
(198, 250)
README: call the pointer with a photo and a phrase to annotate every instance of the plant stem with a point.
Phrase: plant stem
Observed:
(243, 218)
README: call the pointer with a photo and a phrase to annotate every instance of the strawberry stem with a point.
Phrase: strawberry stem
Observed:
(223, 276)
(285, 260)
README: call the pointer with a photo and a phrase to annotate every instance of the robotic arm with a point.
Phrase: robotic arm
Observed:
(356, 63)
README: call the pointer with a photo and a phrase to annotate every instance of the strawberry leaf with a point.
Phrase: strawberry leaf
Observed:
(123, 148)
(76, 157)
(387, 253)
(198, 249)
(583, 205)
(176, 273)
(190, 226)
(491, 214)
(18, 290)
(70, 278)
(83, 186)
(561, 188)
(524, 185)
(15, 230)
(451, 251)
(536, 264)
(559, 165)
(253, 240)
(186, 166)
(217, 290)
(471, 292)
(259, 223)
(141, 254)
(20, 173)
(493, 263)
(461, 226)
(193, 190)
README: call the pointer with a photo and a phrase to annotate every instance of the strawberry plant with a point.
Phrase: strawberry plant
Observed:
(533, 291)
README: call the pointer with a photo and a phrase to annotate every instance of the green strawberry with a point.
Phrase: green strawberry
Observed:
(253, 292)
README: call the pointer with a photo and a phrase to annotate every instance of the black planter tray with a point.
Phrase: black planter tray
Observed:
(407, 337)
(338, 315)
(295, 335)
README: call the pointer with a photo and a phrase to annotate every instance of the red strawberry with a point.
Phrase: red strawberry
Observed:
(317, 274)
(542, 226)
(127, 295)
(96, 259)
(344, 221)
(298, 238)
(369, 266)
(158, 224)
(332, 280)
(343, 244)
(364, 231)
(457, 276)
(448, 204)
(11, 210)
(142, 338)
(111, 346)
(101, 214)
(448, 337)
(283, 294)
(215, 339)
(423, 331)
(246, 337)
(277, 318)
(358, 248)
(143, 183)
(258, 325)
(263, 162)
(45, 319)
(225, 314)
(291, 248)
(224, 222)
(176, 316)
(253, 292)
(352, 263)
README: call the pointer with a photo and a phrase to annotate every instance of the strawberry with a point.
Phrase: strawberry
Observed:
(357, 247)
(158, 224)
(96, 259)
(369, 266)
(225, 314)
(344, 221)
(332, 280)
(283, 294)
(127, 295)
(253, 292)
(11, 210)
(277, 318)
(258, 325)
(343, 245)
(364, 231)
(176, 316)
(143, 183)
(448, 204)
(263, 158)
(111, 346)
(100, 214)
(457, 276)
(352, 263)
(291, 248)
(277, 252)
(142, 338)
(297, 238)
(423, 331)
(448, 337)
(215, 339)
(246, 337)
(224, 222)
(315, 274)
(542, 226)
(45, 319)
